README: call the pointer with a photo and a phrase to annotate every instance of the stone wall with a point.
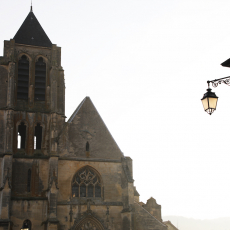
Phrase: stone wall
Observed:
(143, 220)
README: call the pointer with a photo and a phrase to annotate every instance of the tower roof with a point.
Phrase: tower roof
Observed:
(31, 33)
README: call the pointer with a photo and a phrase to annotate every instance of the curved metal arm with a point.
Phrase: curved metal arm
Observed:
(216, 82)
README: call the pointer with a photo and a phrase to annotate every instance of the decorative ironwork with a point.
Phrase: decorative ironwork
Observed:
(216, 82)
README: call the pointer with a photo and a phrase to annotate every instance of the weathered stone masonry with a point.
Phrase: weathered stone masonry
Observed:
(55, 174)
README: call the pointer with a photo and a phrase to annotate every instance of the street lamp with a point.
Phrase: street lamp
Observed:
(209, 99)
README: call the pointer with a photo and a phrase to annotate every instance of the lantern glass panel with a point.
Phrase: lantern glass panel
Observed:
(212, 102)
(205, 103)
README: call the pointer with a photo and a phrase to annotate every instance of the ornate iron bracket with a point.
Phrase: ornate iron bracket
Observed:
(216, 82)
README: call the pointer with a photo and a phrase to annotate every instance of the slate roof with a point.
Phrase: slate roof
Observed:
(31, 33)
(76, 111)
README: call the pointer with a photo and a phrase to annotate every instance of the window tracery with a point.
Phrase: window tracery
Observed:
(88, 225)
(86, 183)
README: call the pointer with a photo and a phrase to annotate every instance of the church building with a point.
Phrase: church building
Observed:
(58, 174)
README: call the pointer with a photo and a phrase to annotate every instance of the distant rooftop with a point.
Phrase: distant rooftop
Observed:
(32, 33)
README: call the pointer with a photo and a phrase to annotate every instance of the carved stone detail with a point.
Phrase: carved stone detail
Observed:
(6, 177)
(53, 179)
(88, 225)
(89, 221)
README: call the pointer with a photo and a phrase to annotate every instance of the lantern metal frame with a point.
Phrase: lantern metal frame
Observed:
(215, 83)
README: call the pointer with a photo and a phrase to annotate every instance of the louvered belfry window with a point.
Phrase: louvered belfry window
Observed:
(40, 80)
(23, 78)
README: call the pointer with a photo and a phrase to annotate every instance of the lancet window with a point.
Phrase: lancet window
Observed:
(40, 80)
(29, 180)
(21, 136)
(23, 78)
(87, 146)
(86, 183)
(38, 136)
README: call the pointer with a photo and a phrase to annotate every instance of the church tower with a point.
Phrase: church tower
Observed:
(32, 113)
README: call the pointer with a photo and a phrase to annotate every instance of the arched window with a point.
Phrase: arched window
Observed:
(38, 136)
(40, 80)
(87, 146)
(86, 183)
(21, 136)
(27, 225)
(23, 78)
(29, 181)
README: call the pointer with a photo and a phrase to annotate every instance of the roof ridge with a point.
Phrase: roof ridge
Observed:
(76, 110)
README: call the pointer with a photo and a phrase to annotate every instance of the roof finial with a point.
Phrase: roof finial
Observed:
(31, 7)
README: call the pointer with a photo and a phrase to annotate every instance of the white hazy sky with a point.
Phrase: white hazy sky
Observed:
(145, 65)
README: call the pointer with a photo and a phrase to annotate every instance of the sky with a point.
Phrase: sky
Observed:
(145, 65)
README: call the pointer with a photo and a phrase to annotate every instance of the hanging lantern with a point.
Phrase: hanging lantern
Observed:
(209, 101)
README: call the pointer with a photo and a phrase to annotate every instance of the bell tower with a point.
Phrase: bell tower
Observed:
(32, 113)
(33, 86)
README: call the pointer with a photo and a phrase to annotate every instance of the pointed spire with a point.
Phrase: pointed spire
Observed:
(32, 33)
(31, 7)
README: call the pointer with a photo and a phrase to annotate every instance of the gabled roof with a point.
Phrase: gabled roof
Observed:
(86, 125)
(77, 109)
(31, 33)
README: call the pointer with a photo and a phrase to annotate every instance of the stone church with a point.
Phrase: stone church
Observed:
(57, 174)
